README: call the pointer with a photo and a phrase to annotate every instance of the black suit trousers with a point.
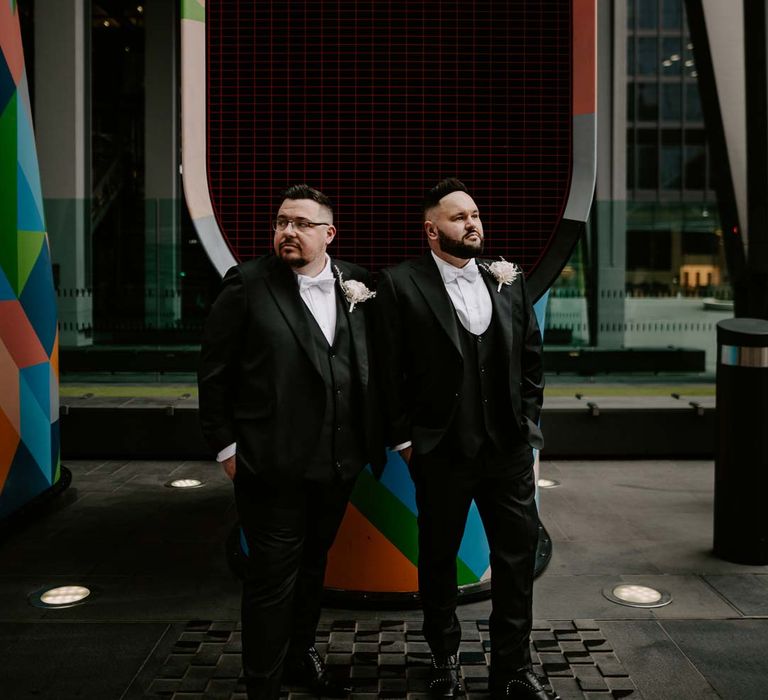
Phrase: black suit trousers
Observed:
(505, 496)
(289, 529)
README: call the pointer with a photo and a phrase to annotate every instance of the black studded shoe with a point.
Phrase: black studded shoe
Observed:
(310, 672)
(444, 677)
(523, 684)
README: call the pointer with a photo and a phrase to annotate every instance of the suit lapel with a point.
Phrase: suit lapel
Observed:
(356, 320)
(506, 310)
(427, 278)
(285, 291)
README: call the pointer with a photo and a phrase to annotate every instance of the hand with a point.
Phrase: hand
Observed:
(229, 466)
(405, 453)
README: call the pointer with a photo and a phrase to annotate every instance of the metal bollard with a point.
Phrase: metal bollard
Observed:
(741, 454)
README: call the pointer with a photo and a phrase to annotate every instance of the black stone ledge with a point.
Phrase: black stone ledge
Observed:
(588, 430)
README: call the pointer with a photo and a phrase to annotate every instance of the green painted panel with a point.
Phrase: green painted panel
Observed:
(191, 9)
(29, 244)
(387, 514)
(464, 575)
(396, 522)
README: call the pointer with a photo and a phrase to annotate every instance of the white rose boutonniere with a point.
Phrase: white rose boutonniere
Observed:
(354, 290)
(503, 272)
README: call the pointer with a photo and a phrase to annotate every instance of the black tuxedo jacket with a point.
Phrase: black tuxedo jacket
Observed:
(421, 362)
(260, 376)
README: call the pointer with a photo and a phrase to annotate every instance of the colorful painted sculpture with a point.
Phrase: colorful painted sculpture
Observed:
(29, 372)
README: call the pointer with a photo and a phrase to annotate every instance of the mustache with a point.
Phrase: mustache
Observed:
(475, 232)
(286, 242)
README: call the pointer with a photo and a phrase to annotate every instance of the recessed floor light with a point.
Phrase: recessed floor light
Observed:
(59, 596)
(636, 596)
(548, 483)
(184, 484)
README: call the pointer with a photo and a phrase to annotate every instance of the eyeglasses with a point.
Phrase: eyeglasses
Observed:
(301, 225)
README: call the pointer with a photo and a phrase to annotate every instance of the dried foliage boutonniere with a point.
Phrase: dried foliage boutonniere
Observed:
(354, 290)
(503, 272)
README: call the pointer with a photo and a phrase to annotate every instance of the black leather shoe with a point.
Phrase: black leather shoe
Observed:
(523, 684)
(444, 677)
(310, 672)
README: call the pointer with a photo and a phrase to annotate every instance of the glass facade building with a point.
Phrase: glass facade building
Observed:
(144, 284)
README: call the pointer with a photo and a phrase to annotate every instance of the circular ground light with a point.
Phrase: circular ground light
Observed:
(548, 483)
(184, 484)
(59, 597)
(636, 596)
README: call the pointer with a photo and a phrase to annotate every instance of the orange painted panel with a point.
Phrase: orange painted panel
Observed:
(9, 43)
(9, 441)
(584, 57)
(55, 356)
(19, 336)
(362, 559)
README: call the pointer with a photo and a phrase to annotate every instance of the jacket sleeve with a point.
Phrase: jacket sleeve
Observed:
(532, 373)
(222, 342)
(391, 364)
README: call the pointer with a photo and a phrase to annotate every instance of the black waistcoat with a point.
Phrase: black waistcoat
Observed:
(339, 453)
(483, 417)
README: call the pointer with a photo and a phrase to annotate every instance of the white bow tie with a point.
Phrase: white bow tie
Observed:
(468, 272)
(325, 284)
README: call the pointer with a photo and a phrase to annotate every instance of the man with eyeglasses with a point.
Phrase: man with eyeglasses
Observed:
(287, 402)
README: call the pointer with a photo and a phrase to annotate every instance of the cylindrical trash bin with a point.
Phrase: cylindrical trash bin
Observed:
(741, 455)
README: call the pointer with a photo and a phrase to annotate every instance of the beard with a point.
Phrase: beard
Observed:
(292, 256)
(460, 249)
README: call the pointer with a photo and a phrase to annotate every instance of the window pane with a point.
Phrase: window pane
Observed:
(647, 14)
(649, 250)
(693, 111)
(630, 56)
(647, 102)
(671, 14)
(630, 159)
(647, 55)
(647, 167)
(671, 56)
(671, 103)
(631, 102)
(631, 15)
(694, 167)
(671, 168)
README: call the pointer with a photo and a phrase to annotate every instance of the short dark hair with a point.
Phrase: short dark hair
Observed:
(440, 190)
(307, 192)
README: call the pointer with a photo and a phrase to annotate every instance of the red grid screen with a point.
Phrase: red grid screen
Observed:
(374, 102)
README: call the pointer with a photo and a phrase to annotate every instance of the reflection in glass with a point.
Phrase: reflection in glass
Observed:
(671, 55)
(671, 167)
(647, 102)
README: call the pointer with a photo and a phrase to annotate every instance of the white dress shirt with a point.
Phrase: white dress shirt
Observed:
(469, 296)
(318, 293)
(468, 293)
